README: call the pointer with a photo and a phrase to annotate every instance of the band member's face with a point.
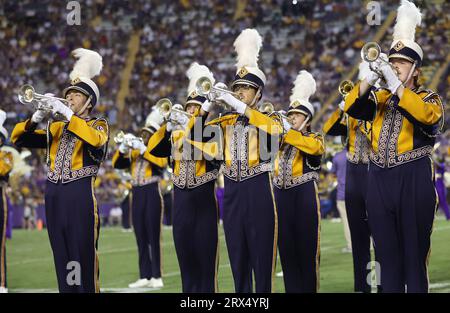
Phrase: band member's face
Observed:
(296, 120)
(76, 100)
(145, 135)
(403, 68)
(245, 93)
(191, 108)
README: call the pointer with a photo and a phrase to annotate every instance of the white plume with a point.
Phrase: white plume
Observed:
(89, 63)
(408, 17)
(20, 167)
(196, 71)
(304, 87)
(2, 117)
(247, 46)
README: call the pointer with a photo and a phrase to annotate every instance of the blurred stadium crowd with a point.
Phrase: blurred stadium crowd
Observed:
(324, 37)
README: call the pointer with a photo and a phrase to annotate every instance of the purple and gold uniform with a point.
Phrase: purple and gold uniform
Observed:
(295, 178)
(75, 150)
(250, 214)
(401, 198)
(195, 212)
(147, 206)
(296, 193)
(358, 149)
(247, 150)
(6, 165)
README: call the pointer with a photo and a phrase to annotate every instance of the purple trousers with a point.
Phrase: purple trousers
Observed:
(401, 204)
(73, 228)
(3, 220)
(299, 237)
(442, 194)
(195, 234)
(250, 225)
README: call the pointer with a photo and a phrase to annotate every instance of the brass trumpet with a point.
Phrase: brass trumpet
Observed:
(345, 87)
(205, 87)
(166, 107)
(28, 95)
(371, 52)
(126, 139)
(283, 118)
(267, 107)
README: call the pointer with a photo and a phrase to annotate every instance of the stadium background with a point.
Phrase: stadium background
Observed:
(147, 47)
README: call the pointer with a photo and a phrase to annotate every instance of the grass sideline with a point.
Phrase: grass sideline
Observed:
(30, 261)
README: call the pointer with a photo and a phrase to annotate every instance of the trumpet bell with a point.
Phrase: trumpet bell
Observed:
(267, 107)
(345, 87)
(119, 137)
(370, 51)
(164, 105)
(26, 94)
(203, 86)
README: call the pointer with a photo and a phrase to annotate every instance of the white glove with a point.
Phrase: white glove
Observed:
(391, 78)
(286, 125)
(173, 116)
(139, 145)
(182, 119)
(38, 116)
(206, 106)
(342, 105)
(372, 78)
(123, 148)
(169, 126)
(236, 104)
(59, 107)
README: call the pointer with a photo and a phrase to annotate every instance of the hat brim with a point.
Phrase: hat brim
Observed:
(304, 112)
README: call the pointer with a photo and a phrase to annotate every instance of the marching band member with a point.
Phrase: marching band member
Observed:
(125, 200)
(401, 198)
(195, 211)
(75, 149)
(147, 204)
(358, 149)
(296, 193)
(250, 214)
(6, 165)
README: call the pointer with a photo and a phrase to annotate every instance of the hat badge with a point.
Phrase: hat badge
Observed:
(242, 72)
(193, 94)
(75, 81)
(399, 46)
(295, 104)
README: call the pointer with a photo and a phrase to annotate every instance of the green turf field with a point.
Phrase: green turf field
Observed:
(30, 262)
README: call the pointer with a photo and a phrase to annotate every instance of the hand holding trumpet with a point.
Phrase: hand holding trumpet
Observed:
(217, 94)
(391, 78)
(44, 104)
(176, 118)
(129, 141)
